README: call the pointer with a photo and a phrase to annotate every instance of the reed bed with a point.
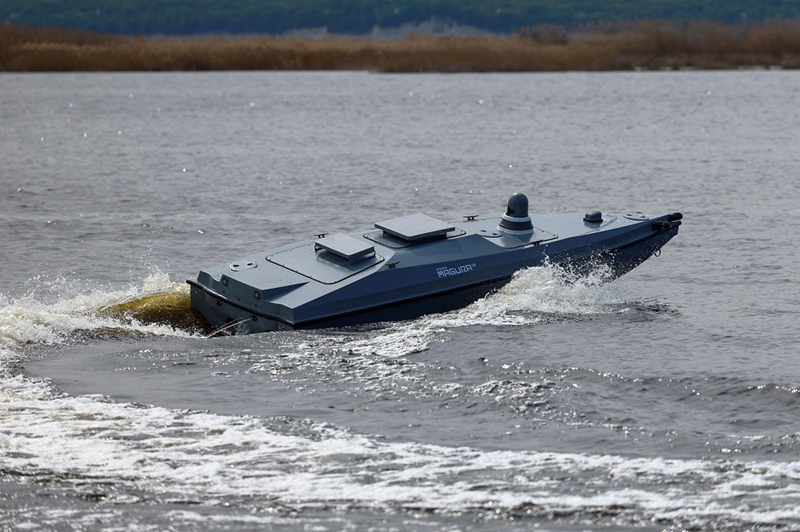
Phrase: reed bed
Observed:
(649, 45)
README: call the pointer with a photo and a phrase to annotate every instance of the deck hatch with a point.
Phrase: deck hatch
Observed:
(320, 264)
(350, 249)
(415, 227)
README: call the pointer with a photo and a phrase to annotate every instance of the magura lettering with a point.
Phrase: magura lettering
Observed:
(456, 270)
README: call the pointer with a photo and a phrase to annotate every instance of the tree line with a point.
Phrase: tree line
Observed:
(187, 17)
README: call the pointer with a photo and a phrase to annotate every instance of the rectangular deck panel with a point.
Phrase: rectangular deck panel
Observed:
(347, 247)
(415, 227)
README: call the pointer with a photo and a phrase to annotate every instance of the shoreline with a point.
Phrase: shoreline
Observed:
(642, 46)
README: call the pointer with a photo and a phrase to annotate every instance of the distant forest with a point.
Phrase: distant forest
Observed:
(355, 17)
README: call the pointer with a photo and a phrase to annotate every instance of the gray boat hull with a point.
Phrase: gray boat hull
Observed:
(392, 274)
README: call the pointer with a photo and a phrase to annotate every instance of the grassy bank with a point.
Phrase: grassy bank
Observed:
(651, 45)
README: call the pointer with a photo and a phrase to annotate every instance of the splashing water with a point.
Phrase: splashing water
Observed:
(533, 295)
(127, 452)
(159, 306)
(544, 290)
(156, 307)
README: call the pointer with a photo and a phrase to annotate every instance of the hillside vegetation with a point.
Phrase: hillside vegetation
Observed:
(646, 45)
(355, 17)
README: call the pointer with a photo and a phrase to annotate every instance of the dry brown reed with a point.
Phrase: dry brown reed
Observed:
(652, 45)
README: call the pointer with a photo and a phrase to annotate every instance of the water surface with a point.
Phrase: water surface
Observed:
(665, 400)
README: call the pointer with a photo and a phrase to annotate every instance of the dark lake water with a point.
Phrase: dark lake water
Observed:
(666, 400)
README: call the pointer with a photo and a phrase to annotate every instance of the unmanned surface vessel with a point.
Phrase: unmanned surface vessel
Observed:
(414, 265)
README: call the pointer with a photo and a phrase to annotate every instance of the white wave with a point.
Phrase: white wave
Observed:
(548, 290)
(41, 318)
(204, 456)
(533, 294)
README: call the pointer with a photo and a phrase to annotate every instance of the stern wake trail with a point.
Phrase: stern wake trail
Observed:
(156, 307)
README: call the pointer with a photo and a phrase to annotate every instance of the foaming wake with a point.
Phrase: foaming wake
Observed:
(541, 292)
(534, 295)
(158, 306)
(134, 453)
(204, 458)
